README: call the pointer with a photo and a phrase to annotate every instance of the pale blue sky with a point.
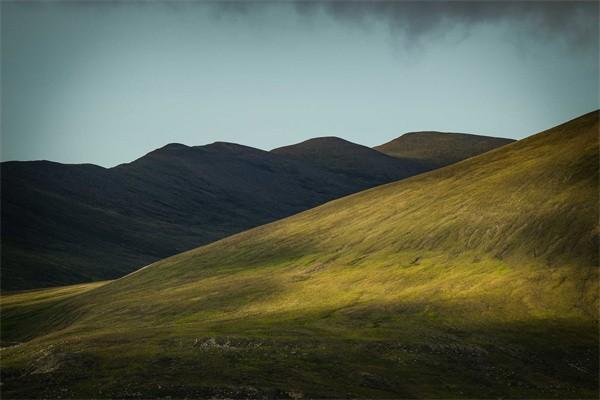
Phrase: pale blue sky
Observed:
(107, 82)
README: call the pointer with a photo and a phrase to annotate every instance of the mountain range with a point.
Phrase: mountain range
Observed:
(476, 280)
(64, 224)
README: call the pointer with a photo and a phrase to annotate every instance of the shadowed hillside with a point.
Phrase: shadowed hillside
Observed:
(66, 224)
(76, 223)
(353, 160)
(438, 149)
(477, 280)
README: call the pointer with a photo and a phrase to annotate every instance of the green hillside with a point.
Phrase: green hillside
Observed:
(477, 280)
(438, 149)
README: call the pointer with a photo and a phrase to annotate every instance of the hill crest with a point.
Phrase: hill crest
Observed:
(438, 149)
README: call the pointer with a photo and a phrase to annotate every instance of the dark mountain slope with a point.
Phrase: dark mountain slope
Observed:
(437, 149)
(344, 157)
(478, 280)
(75, 223)
(66, 224)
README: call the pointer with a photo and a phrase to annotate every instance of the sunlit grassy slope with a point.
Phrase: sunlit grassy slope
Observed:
(476, 280)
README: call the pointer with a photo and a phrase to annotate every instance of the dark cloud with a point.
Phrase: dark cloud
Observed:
(572, 22)
(575, 23)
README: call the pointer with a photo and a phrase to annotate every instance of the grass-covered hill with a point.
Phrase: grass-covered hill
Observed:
(362, 163)
(438, 149)
(477, 280)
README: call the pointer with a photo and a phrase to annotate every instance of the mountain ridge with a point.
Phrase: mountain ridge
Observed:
(71, 223)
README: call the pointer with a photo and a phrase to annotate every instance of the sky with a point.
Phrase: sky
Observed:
(106, 82)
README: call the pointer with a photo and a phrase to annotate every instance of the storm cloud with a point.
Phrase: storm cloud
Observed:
(571, 22)
(574, 23)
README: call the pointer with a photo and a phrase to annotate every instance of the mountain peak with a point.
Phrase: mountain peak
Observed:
(229, 147)
(318, 144)
(327, 140)
(344, 157)
(440, 148)
(175, 146)
(429, 133)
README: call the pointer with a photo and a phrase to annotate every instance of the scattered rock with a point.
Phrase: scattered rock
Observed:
(49, 361)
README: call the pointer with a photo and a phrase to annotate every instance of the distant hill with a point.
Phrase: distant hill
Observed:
(66, 224)
(360, 162)
(438, 149)
(477, 280)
